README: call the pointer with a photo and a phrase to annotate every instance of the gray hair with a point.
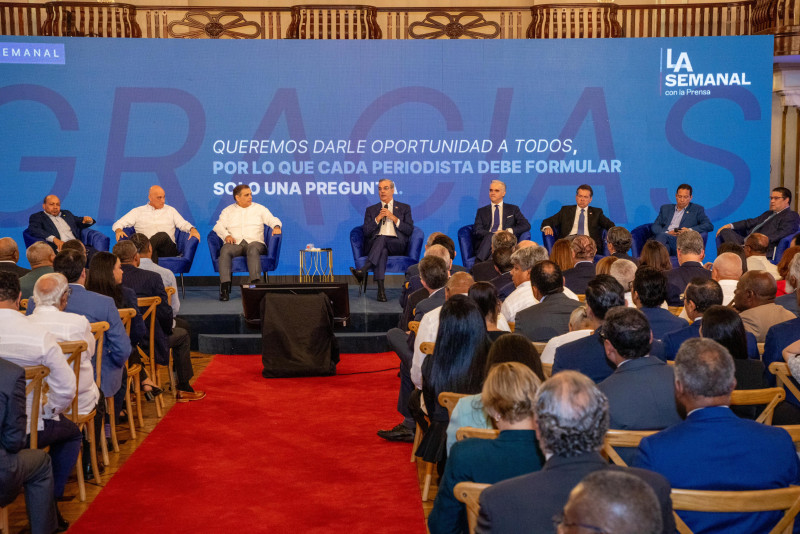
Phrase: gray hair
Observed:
(498, 182)
(503, 240)
(690, 242)
(386, 180)
(571, 414)
(620, 238)
(438, 251)
(704, 368)
(49, 289)
(794, 270)
(38, 252)
(583, 247)
(624, 271)
(525, 258)
(539, 254)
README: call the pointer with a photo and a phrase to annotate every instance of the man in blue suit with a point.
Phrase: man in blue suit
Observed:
(387, 228)
(675, 218)
(713, 449)
(55, 225)
(649, 292)
(496, 217)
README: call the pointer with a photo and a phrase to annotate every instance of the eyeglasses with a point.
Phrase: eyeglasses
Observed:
(559, 521)
(776, 198)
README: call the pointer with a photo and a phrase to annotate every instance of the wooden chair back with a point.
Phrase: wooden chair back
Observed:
(794, 432)
(427, 347)
(413, 326)
(98, 331)
(750, 397)
(784, 377)
(539, 346)
(581, 298)
(126, 315)
(73, 350)
(547, 369)
(150, 315)
(471, 432)
(34, 376)
(760, 348)
(787, 499)
(469, 493)
(676, 310)
(23, 306)
(449, 400)
(622, 438)
(512, 325)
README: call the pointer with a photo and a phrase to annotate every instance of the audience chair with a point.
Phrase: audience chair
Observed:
(753, 397)
(622, 438)
(581, 298)
(465, 245)
(676, 310)
(98, 330)
(512, 325)
(149, 358)
(89, 237)
(23, 306)
(466, 432)
(539, 346)
(394, 264)
(760, 349)
(4, 520)
(180, 264)
(784, 378)
(269, 261)
(132, 371)
(34, 376)
(469, 493)
(787, 499)
(170, 371)
(547, 370)
(449, 400)
(413, 326)
(794, 432)
(85, 422)
(426, 347)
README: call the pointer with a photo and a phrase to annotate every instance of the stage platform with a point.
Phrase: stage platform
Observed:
(220, 328)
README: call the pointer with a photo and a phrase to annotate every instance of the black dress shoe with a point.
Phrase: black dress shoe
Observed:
(225, 291)
(62, 523)
(381, 292)
(358, 274)
(398, 433)
(88, 473)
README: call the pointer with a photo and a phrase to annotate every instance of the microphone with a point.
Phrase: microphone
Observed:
(386, 207)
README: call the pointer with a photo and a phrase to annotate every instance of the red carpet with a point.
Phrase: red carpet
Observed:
(276, 455)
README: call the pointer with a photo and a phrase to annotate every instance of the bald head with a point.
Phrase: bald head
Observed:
(40, 254)
(525, 244)
(51, 290)
(157, 197)
(755, 288)
(8, 250)
(756, 245)
(727, 266)
(459, 283)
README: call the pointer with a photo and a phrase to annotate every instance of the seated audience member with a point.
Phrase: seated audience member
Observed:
(783, 271)
(502, 264)
(733, 248)
(430, 289)
(721, 446)
(792, 283)
(522, 261)
(624, 272)
(485, 296)
(433, 271)
(655, 255)
(496, 218)
(457, 365)
(149, 284)
(690, 256)
(412, 277)
(583, 250)
(41, 257)
(25, 343)
(754, 299)
(587, 354)
(603, 266)
(580, 326)
(22, 467)
(9, 256)
(469, 411)
(484, 271)
(96, 308)
(561, 254)
(790, 354)
(776, 223)
(550, 317)
(413, 270)
(611, 501)
(571, 416)
(755, 249)
(778, 339)
(508, 397)
(674, 219)
(145, 251)
(619, 241)
(649, 292)
(726, 271)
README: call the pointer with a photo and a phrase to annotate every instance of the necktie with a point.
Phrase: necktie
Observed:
(581, 221)
(758, 226)
(496, 218)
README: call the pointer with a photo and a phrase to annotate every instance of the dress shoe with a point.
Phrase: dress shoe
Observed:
(358, 274)
(188, 396)
(88, 473)
(225, 291)
(152, 393)
(381, 292)
(398, 433)
(62, 524)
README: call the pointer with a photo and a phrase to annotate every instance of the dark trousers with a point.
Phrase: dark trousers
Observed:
(484, 250)
(64, 440)
(180, 343)
(398, 341)
(379, 251)
(729, 235)
(34, 473)
(163, 245)
(669, 241)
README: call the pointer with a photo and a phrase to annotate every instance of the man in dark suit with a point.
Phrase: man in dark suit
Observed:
(690, 256)
(412, 278)
(579, 219)
(9, 256)
(776, 223)
(496, 217)
(550, 317)
(700, 294)
(55, 225)
(675, 218)
(484, 271)
(387, 228)
(583, 250)
(649, 290)
(21, 467)
(167, 335)
(713, 449)
(587, 354)
(502, 264)
(572, 419)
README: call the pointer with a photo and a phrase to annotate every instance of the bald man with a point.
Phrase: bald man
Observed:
(754, 299)
(55, 225)
(727, 270)
(158, 222)
(755, 249)
(9, 256)
(497, 216)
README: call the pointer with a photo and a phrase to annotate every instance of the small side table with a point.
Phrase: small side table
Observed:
(316, 265)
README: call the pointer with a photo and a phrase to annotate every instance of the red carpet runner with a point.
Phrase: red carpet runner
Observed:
(281, 455)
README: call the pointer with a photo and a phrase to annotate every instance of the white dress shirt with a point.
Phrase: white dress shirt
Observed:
(168, 277)
(65, 232)
(245, 224)
(761, 263)
(72, 327)
(728, 288)
(149, 221)
(26, 344)
(388, 227)
(549, 352)
(519, 299)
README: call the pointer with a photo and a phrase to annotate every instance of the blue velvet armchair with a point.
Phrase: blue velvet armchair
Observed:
(394, 264)
(269, 262)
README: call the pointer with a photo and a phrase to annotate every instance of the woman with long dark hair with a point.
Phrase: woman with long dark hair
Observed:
(655, 255)
(485, 296)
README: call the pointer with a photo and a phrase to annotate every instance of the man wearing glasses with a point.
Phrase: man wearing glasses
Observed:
(776, 223)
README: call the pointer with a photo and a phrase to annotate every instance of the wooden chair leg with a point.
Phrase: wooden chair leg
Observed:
(137, 388)
(112, 418)
(81, 483)
(93, 451)
(156, 381)
(417, 440)
(129, 408)
(103, 444)
(428, 476)
(4, 520)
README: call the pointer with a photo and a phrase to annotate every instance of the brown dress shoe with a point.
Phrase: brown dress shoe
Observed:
(188, 396)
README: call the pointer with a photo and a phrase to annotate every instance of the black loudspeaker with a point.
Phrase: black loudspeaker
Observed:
(297, 336)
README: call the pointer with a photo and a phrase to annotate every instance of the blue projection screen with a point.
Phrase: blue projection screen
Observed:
(313, 125)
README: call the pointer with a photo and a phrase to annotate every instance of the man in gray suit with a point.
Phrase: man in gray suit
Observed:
(550, 317)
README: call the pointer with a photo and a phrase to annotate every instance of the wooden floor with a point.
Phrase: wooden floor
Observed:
(72, 508)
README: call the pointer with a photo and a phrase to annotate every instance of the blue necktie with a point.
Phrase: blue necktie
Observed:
(581, 221)
(496, 218)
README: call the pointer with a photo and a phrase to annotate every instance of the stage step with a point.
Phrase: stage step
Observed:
(349, 342)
